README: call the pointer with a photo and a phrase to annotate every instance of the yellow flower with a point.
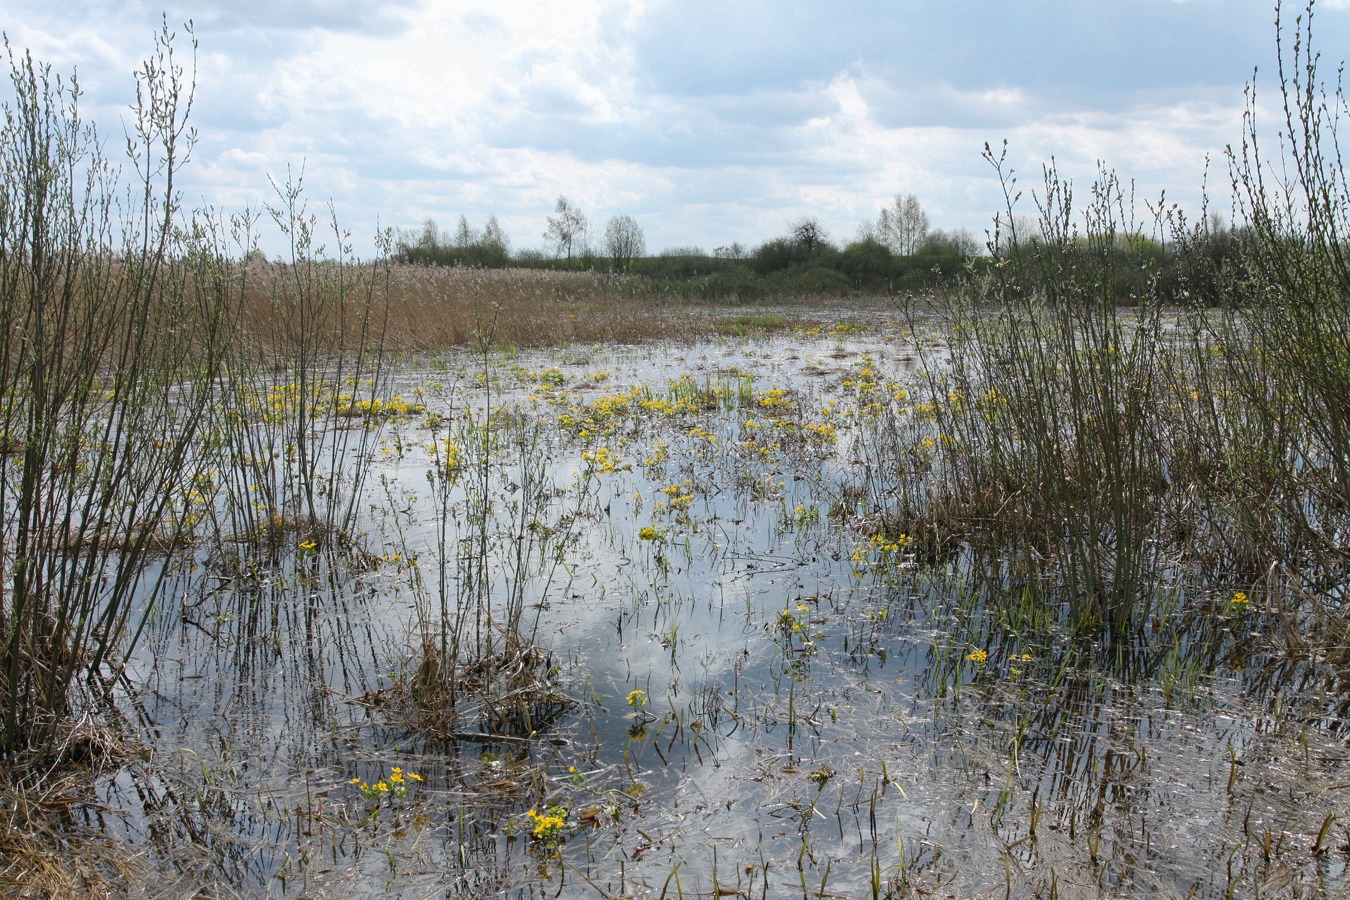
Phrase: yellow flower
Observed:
(977, 656)
(637, 699)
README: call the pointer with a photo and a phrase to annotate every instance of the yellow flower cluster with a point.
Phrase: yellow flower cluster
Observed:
(679, 497)
(547, 827)
(550, 377)
(794, 622)
(602, 415)
(669, 408)
(395, 785)
(883, 544)
(452, 458)
(393, 408)
(978, 657)
(660, 453)
(823, 432)
(879, 546)
(601, 460)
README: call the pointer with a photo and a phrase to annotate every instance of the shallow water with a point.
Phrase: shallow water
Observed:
(816, 718)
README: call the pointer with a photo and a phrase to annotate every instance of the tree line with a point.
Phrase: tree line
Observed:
(897, 251)
(896, 247)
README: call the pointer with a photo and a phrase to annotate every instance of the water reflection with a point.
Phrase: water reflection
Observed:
(816, 719)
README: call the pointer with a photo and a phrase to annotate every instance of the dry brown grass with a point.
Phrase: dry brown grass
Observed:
(434, 308)
(437, 308)
(47, 848)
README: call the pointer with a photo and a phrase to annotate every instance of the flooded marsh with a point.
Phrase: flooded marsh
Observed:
(324, 577)
(639, 621)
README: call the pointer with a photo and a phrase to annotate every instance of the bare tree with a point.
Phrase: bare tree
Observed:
(903, 225)
(464, 235)
(430, 237)
(566, 230)
(494, 237)
(809, 234)
(624, 241)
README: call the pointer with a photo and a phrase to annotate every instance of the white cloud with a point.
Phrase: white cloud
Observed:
(710, 122)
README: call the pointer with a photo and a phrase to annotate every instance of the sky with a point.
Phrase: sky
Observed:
(707, 122)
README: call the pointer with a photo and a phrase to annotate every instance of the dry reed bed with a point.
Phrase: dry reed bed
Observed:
(429, 309)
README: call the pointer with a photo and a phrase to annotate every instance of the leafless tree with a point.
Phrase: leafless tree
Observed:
(903, 225)
(624, 241)
(566, 230)
(464, 235)
(493, 236)
(809, 234)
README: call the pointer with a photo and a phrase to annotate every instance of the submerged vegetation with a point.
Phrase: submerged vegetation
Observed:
(331, 577)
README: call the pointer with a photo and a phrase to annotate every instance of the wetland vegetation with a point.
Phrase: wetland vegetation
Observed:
(330, 577)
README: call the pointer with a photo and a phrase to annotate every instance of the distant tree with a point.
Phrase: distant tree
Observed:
(869, 232)
(903, 225)
(809, 234)
(958, 242)
(624, 241)
(495, 239)
(531, 256)
(566, 230)
(464, 235)
(866, 261)
(734, 250)
(776, 255)
(468, 246)
(430, 238)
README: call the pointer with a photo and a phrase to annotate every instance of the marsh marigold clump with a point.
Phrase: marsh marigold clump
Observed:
(547, 827)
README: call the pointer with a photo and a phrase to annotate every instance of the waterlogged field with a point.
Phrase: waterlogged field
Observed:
(702, 662)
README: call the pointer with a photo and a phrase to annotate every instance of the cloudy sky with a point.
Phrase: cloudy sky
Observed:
(708, 122)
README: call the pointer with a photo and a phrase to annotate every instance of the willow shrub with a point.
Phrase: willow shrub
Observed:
(100, 402)
(308, 383)
(1051, 414)
(1102, 452)
(1288, 359)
